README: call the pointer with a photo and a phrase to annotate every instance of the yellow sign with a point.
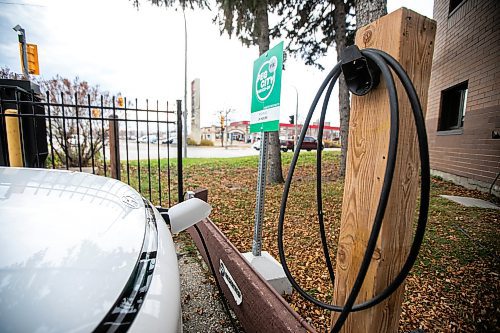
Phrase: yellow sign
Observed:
(32, 52)
(120, 101)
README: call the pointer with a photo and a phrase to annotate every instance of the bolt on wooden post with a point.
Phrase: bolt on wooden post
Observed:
(409, 38)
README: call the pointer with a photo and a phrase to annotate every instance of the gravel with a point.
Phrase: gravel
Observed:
(202, 310)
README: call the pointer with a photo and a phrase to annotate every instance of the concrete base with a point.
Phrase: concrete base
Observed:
(271, 270)
(469, 183)
(471, 202)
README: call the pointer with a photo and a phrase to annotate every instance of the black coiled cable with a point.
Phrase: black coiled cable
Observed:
(384, 62)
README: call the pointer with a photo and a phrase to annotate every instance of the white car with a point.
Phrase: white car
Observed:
(83, 253)
(256, 144)
(145, 139)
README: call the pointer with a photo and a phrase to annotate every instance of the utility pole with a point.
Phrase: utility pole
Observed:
(185, 83)
(22, 40)
(221, 118)
(296, 115)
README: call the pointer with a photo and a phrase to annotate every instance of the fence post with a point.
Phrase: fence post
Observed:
(409, 38)
(114, 148)
(13, 138)
(180, 185)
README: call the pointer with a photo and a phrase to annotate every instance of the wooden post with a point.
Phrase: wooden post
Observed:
(114, 148)
(13, 138)
(409, 38)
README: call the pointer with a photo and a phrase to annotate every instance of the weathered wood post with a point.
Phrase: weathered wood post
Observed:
(114, 148)
(409, 38)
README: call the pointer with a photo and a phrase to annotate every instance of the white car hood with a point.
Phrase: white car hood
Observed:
(68, 244)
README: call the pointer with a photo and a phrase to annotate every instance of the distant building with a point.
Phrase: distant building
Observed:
(240, 131)
(463, 111)
(195, 111)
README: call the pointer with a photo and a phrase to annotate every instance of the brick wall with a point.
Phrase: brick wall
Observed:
(467, 48)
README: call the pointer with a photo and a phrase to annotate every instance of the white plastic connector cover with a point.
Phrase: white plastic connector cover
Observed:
(187, 213)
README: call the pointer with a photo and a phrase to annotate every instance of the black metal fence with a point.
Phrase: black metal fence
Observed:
(139, 144)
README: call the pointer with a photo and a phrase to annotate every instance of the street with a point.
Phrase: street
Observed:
(192, 151)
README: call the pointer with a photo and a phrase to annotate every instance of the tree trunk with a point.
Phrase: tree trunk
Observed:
(344, 100)
(368, 11)
(275, 175)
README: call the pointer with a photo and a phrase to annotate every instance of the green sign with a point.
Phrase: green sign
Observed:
(266, 91)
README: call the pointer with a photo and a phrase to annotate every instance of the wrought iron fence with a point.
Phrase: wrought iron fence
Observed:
(139, 144)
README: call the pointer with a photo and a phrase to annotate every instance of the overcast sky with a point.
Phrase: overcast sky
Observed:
(140, 53)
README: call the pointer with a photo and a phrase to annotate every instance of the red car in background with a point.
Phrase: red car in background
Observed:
(309, 143)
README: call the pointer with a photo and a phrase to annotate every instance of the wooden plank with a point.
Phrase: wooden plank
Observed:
(409, 38)
(114, 148)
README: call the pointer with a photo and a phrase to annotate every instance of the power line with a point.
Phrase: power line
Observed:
(21, 4)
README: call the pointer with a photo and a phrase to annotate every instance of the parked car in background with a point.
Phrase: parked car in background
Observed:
(285, 144)
(311, 143)
(151, 139)
(83, 253)
(256, 144)
(171, 140)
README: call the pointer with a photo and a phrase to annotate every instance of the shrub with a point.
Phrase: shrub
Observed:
(206, 142)
(191, 142)
(331, 144)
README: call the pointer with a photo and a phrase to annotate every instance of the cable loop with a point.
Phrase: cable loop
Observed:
(384, 62)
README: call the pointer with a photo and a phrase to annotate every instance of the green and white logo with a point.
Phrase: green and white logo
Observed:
(266, 91)
(266, 78)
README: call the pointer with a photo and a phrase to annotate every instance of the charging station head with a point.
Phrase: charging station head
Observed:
(187, 213)
(360, 74)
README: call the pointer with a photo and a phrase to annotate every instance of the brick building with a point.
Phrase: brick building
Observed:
(463, 112)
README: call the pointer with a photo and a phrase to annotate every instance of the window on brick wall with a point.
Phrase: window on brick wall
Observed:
(454, 4)
(453, 104)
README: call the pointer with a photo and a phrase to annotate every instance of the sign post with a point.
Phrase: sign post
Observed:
(264, 118)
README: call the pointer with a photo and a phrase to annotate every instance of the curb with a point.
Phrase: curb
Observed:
(262, 309)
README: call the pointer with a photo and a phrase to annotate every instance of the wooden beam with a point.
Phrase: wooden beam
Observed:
(114, 148)
(409, 38)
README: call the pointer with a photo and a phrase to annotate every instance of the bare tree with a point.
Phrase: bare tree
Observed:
(6, 73)
(77, 139)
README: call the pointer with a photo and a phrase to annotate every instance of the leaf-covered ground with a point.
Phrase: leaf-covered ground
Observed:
(454, 286)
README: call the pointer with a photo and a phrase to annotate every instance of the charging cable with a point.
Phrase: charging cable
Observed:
(361, 69)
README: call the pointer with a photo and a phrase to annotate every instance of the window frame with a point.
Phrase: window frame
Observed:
(451, 10)
(463, 88)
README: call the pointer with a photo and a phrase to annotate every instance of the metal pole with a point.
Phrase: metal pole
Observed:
(185, 83)
(22, 39)
(296, 116)
(180, 185)
(261, 191)
(226, 132)
(13, 131)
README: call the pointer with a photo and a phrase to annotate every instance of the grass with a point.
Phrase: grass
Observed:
(454, 286)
